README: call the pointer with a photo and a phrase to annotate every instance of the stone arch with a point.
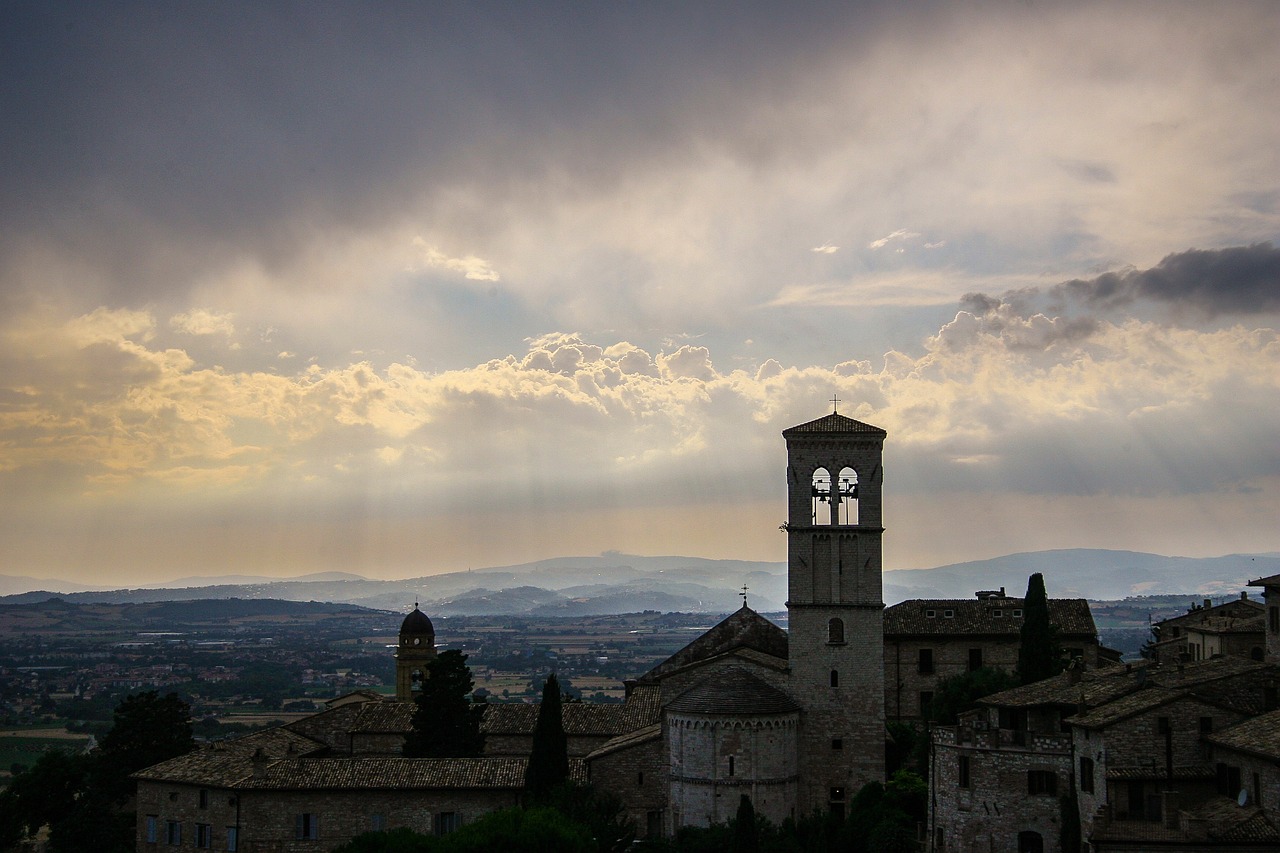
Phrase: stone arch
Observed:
(844, 497)
(820, 491)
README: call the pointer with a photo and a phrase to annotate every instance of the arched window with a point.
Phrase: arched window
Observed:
(835, 632)
(822, 497)
(846, 495)
(1030, 842)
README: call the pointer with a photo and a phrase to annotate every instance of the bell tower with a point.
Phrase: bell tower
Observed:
(836, 606)
(416, 649)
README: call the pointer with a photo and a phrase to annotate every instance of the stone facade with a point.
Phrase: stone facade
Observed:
(835, 605)
(1141, 748)
(1235, 627)
(928, 640)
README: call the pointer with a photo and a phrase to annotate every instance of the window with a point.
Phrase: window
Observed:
(975, 659)
(306, 826)
(377, 823)
(731, 766)
(1017, 614)
(1162, 725)
(153, 829)
(931, 614)
(835, 678)
(997, 613)
(1273, 620)
(837, 795)
(948, 614)
(1228, 780)
(821, 497)
(837, 743)
(233, 839)
(925, 663)
(653, 824)
(204, 799)
(640, 779)
(835, 632)
(1030, 841)
(1206, 725)
(446, 822)
(926, 699)
(173, 833)
(1042, 783)
(204, 835)
(962, 772)
(1086, 775)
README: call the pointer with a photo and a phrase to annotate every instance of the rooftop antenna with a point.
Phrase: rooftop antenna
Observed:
(835, 405)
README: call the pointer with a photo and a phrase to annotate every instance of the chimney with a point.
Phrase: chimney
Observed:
(259, 765)
(1244, 595)
(1208, 602)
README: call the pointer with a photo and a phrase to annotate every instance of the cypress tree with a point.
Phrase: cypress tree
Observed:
(549, 758)
(447, 721)
(1039, 654)
(746, 835)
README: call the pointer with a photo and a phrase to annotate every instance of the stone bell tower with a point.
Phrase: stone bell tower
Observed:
(416, 649)
(835, 606)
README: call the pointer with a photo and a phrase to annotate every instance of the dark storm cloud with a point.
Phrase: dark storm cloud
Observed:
(211, 122)
(1238, 280)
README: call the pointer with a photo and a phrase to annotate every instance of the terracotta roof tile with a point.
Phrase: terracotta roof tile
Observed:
(1260, 736)
(733, 692)
(745, 628)
(971, 616)
(834, 423)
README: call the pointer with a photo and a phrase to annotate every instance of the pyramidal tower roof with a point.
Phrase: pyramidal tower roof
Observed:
(833, 423)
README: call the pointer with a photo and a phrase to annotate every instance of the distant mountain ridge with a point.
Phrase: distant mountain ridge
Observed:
(620, 583)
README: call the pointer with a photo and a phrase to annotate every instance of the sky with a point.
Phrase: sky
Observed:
(400, 289)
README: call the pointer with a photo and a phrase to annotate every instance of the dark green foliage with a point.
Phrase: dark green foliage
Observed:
(395, 841)
(746, 834)
(959, 693)
(148, 729)
(1039, 652)
(447, 721)
(83, 796)
(904, 742)
(549, 758)
(601, 812)
(539, 830)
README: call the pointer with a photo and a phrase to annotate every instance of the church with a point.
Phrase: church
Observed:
(793, 719)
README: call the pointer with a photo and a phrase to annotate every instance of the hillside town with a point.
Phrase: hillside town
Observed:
(1073, 750)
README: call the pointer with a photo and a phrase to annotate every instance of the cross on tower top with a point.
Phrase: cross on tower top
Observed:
(835, 405)
(744, 594)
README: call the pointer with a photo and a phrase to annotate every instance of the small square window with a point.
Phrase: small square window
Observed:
(837, 743)
(1017, 614)
(948, 614)
(1162, 725)
(1042, 783)
(930, 614)
(997, 613)
(1206, 725)
(837, 795)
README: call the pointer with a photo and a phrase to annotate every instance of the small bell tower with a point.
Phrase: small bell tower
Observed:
(836, 606)
(416, 649)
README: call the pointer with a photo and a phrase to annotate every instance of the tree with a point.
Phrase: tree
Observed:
(148, 729)
(746, 835)
(1040, 654)
(959, 693)
(447, 721)
(549, 759)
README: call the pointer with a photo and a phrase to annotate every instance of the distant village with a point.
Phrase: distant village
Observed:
(1177, 748)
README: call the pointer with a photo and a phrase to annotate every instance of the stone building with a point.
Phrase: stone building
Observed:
(928, 640)
(1232, 628)
(1134, 747)
(795, 720)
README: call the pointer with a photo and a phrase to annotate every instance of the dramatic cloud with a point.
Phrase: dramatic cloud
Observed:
(1237, 280)
(304, 286)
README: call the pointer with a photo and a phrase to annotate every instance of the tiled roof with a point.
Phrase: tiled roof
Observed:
(399, 773)
(1095, 686)
(971, 616)
(630, 739)
(329, 725)
(1226, 822)
(382, 717)
(236, 769)
(732, 692)
(834, 423)
(580, 718)
(1123, 707)
(1260, 735)
(744, 628)
(1270, 580)
(223, 763)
